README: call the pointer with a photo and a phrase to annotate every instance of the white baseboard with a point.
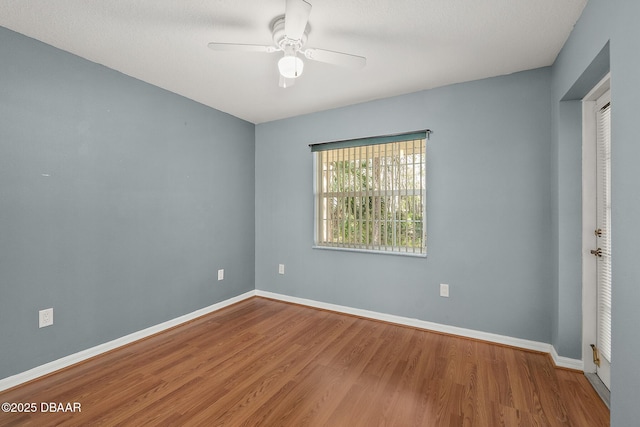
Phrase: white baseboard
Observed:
(562, 362)
(66, 361)
(565, 362)
(47, 368)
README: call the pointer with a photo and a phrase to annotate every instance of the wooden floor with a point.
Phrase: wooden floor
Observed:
(267, 363)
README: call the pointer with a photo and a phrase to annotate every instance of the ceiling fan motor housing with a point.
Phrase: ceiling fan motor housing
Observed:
(282, 41)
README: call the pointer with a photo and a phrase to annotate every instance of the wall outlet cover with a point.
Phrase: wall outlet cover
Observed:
(221, 274)
(444, 290)
(45, 317)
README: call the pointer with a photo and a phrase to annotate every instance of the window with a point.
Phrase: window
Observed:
(370, 194)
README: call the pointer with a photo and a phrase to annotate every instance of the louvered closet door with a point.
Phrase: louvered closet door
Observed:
(603, 195)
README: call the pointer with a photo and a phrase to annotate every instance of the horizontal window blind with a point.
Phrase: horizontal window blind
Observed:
(371, 196)
(603, 142)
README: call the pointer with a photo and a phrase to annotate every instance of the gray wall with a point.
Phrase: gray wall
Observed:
(488, 208)
(119, 202)
(567, 231)
(576, 70)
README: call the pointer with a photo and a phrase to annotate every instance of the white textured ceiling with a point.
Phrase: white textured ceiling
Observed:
(410, 45)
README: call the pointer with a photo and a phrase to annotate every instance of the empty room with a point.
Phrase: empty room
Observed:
(319, 212)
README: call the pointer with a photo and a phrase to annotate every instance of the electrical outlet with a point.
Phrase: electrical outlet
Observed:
(444, 290)
(45, 317)
(221, 274)
(280, 268)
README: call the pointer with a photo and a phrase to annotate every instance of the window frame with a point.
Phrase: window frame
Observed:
(399, 250)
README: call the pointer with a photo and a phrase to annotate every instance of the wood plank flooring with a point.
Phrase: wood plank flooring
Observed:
(268, 363)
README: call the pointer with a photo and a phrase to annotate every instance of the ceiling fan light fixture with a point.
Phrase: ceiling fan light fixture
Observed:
(290, 66)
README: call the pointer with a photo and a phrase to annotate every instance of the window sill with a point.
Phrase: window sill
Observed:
(370, 251)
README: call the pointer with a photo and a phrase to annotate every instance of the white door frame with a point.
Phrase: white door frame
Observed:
(589, 282)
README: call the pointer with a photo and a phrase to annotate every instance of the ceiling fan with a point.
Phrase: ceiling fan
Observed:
(290, 36)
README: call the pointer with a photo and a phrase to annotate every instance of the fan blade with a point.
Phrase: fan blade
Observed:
(336, 58)
(296, 16)
(236, 47)
(285, 82)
